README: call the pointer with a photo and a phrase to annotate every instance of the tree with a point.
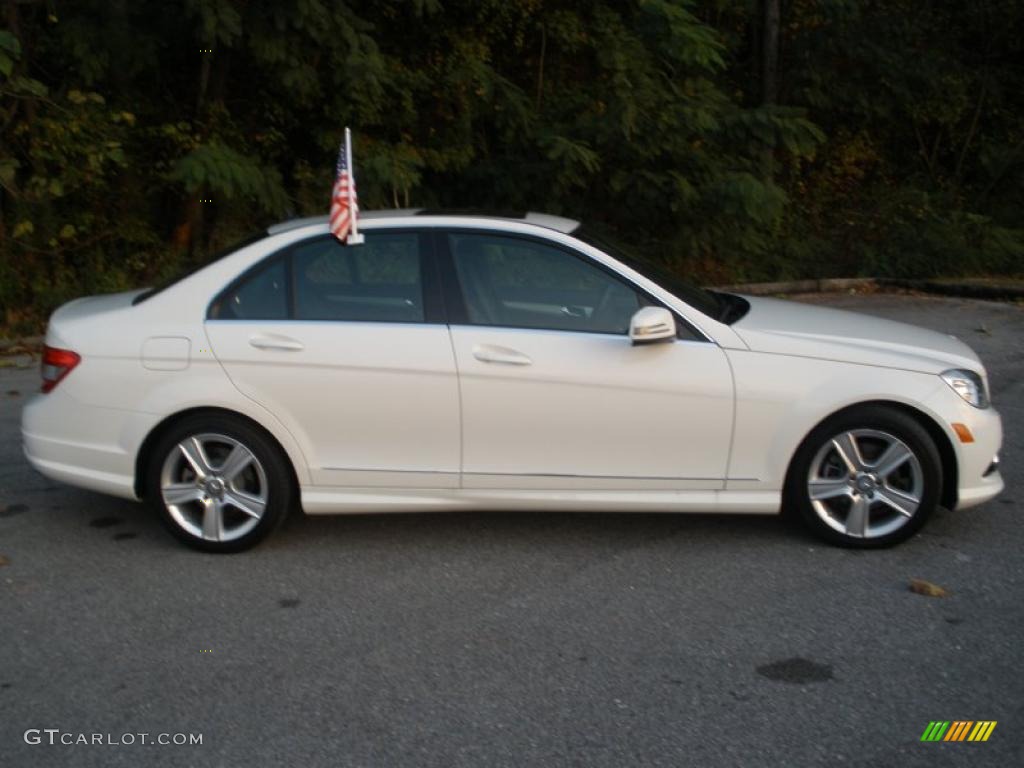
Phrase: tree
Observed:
(730, 143)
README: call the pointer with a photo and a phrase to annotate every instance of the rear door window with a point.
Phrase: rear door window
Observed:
(380, 280)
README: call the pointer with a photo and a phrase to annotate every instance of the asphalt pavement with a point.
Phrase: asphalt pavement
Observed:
(515, 639)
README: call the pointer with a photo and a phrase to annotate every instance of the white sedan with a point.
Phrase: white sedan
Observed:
(460, 362)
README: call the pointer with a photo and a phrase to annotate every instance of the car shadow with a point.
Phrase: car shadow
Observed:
(548, 529)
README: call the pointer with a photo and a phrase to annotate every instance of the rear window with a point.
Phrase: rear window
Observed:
(264, 296)
(189, 271)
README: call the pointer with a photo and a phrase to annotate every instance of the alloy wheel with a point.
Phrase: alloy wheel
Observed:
(865, 483)
(214, 487)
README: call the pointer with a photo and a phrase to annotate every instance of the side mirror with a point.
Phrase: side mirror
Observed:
(652, 324)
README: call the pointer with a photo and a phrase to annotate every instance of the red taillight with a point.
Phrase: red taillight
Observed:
(57, 363)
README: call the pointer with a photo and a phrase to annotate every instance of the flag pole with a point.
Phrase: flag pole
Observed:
(354, 238)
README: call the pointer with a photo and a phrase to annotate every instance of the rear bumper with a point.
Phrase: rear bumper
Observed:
(83, 477)
(79, 446)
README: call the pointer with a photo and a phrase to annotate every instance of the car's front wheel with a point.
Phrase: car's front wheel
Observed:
(869, 477)
(218, 483)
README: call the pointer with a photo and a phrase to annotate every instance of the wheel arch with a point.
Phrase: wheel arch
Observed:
(144, 454)
(947, 454)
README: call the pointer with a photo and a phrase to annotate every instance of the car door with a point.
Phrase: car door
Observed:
(554, 394)
(347, 346)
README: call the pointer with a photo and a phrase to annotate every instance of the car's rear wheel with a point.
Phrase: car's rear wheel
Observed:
(219, 484)
(869, 477)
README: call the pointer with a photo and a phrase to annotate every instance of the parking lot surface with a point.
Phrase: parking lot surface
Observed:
(516, 639)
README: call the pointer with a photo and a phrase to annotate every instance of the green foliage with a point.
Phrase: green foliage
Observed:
(215, 171)
(896, 146)
(10, 51)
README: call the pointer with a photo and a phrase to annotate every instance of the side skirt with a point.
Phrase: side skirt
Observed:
(325, 501)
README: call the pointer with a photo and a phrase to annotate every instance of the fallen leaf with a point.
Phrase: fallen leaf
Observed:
(926, 588)
(13, 393)
(982, 329)
(4, 561)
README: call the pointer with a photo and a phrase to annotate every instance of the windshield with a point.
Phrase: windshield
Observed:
(712, 304)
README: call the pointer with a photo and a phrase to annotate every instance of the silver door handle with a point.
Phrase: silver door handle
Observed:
(490, 353)
(273, 341)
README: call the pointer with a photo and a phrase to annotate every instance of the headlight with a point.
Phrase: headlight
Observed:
(968, 385)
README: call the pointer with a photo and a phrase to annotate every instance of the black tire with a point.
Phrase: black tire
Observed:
(816, 449)
(269, 474)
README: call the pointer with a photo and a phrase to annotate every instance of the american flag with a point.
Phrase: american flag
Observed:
(341, 214)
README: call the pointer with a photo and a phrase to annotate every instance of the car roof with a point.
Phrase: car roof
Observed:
(546, 220)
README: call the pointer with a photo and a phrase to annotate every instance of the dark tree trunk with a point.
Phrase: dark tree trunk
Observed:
(770, 19)
(769, 38)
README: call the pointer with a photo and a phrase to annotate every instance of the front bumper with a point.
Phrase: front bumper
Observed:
(977, 482)
(978, 493)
